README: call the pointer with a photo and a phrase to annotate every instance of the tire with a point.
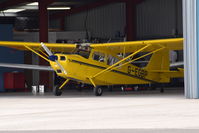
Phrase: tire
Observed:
(57, 91)
(98, 91)
(161, 90)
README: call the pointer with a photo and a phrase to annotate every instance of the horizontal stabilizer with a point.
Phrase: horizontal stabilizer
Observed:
(177, 64)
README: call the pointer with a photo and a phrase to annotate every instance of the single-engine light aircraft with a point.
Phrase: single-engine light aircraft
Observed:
(119, 63)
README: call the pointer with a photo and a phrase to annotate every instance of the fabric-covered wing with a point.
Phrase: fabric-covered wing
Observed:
(55, 47)
(128, 47)
(118, 47)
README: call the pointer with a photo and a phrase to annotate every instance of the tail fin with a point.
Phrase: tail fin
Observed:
(159, 61)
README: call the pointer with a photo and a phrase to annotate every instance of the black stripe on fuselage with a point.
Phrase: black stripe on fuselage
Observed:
(123, 73)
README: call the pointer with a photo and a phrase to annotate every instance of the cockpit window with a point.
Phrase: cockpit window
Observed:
(84, 53)
(112, 60)
(98, 57)
(62, 58)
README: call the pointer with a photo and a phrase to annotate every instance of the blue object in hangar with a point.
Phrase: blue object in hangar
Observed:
(8, 55)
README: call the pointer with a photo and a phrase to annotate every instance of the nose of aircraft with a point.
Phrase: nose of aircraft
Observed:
(53, 58)
(57, 63)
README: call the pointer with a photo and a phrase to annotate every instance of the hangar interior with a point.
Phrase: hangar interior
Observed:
(90, 21)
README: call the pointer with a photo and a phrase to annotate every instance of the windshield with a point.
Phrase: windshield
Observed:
(83, 53)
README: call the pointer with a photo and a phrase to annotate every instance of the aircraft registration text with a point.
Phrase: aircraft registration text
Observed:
(139, 72)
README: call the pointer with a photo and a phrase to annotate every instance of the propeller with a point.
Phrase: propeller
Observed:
(53, 57)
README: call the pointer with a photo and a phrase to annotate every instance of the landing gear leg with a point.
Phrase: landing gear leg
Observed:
(98, 91)
(57, 90)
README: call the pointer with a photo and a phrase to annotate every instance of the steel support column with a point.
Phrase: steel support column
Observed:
(191, 47)
(43, 21)
(45, 77)
(130, 20)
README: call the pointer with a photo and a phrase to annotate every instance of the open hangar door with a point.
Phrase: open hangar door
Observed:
(126, 21)
(191, 43)
(110, 21)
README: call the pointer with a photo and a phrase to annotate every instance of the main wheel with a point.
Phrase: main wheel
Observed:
(57, 91)
(98, 91)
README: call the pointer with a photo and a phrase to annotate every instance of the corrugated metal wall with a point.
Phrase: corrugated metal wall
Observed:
(103, 22)
(54, 24)
(155, 19)
(159, 19)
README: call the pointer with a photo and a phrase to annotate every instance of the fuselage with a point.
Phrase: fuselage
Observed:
(81, 68)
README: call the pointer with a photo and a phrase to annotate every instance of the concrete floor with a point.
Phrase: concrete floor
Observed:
(113, 112)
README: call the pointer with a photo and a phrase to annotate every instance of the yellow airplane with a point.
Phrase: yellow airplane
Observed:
(108, 63)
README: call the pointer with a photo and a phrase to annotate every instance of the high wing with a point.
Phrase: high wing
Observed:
(128, 47)
(55, 47)
(118, 47)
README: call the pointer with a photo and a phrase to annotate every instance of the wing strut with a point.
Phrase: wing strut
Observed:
(91, 80)
(109, 68)
(139, 57)
(37, 53)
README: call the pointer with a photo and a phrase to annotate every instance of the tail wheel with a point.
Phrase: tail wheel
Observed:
(161, 90)
(98, 91)
(57, 91)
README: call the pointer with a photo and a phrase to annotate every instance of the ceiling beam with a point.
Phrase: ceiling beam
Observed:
(130, 21)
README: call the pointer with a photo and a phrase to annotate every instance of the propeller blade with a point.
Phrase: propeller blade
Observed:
(61, 67)
(51, 54)
(46, 49)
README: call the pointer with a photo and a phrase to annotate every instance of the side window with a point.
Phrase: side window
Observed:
(62, 58)
(112, 60)
(98, 57)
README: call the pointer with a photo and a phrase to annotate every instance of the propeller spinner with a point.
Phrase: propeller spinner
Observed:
(53, 57)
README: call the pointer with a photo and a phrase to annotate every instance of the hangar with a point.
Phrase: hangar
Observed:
(94, 21)
(137, 109)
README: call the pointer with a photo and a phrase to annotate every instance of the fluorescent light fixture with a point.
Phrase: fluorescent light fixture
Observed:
(59, 8)
(13, 10)
(33, 4)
